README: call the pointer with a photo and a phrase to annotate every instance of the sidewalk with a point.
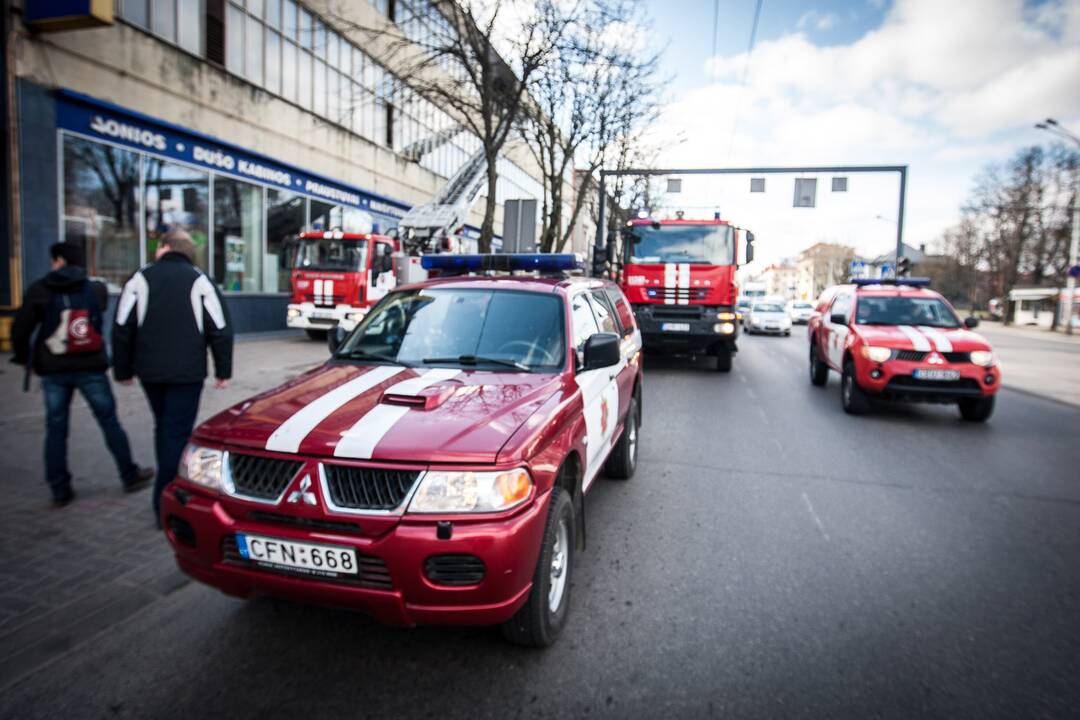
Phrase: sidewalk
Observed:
(68, 574)
(1037, 361)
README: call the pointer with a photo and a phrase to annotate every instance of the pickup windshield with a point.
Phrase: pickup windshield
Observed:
(899, 310)
(487, 329)
(705, 244)
(330, 254)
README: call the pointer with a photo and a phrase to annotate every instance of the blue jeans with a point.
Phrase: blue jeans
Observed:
(175, 407)
(94, 386)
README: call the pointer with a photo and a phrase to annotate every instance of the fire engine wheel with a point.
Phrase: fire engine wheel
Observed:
(623, 459)
(316, 334)
(819, 371)
(723, 359)
(977, 409)
(852, 396)
(542, 617)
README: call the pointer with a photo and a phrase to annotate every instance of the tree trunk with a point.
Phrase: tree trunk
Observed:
(487, 228)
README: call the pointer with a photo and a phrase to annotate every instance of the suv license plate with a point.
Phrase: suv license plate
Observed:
(675, 327)
(933, 374)
(315, 559)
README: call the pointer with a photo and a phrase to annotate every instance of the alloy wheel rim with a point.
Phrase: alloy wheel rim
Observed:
(633, 440)
(560, 567)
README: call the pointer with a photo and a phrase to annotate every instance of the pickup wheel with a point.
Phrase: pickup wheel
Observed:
(723, 359)
(977, 409)
(623, 459)
(542, 617)
(819, 371)
(852, 396)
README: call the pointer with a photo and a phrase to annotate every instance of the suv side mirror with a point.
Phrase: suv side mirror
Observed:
(971, 322)
(602, 350)
(838, 319)
(335, 337)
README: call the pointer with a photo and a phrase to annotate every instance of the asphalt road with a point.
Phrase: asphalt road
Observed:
(773, 557)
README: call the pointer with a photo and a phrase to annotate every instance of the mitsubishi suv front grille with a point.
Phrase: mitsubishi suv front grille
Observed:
(363, 488)
(261, 478)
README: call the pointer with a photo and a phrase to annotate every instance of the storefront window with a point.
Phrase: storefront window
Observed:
(177, 196)
(101, 207)
(286, 214)
(238, 235)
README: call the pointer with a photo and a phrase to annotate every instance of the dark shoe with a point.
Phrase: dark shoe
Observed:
(63, 500)
(142, 479)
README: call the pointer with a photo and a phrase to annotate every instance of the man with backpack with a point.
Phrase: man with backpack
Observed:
(68, 353)
(169, 313)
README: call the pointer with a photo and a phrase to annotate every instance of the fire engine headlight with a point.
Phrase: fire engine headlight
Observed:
(443, 491)
(724, 328)
(983, 358)
(876, 354)
(725, 315)
(202, 466)
(292, 313)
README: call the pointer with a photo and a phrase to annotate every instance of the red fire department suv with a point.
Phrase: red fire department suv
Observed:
(434, 469)
(897, 340)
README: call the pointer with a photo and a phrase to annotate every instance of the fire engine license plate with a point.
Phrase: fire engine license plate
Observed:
(314, 559)
(322, 315)
(933, 374)
(675, 327)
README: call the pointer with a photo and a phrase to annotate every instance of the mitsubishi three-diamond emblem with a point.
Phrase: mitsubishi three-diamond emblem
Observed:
(304, 493)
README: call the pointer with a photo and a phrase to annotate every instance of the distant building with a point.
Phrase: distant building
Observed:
(780, 280)
(820, 266)
(885, 265)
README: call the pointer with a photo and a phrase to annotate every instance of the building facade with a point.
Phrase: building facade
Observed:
(242, 121)
(820, 266)
(781, 280)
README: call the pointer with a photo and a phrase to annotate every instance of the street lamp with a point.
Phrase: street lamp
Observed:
(1051, 126)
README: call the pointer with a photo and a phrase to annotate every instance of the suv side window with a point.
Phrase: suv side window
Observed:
(582, 320)
(622, 309)
(842, 304)
(605, 316)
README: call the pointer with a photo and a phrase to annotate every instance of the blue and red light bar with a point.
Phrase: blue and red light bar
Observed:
(912, 282)
(503, 262)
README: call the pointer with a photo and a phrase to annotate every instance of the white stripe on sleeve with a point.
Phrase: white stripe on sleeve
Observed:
(134, 297)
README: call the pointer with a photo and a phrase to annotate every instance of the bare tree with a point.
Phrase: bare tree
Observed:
(597, 91)
(475, 59)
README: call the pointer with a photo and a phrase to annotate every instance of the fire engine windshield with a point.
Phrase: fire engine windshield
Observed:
(330, 254)
(706, 244)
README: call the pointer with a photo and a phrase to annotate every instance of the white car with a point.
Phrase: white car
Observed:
(768, 317)
(800, 311)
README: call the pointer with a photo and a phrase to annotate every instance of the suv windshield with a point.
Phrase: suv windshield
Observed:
(706, 244)
(463, 327)
(899, 310)
(329, 254)
(768, 308)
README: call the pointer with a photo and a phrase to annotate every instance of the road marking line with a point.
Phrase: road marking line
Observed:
(817, 520)
(764, 416)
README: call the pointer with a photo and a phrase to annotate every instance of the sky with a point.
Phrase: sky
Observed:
(945, 87)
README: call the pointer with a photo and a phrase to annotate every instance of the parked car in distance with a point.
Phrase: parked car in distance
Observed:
(800, 311)
(768, 317)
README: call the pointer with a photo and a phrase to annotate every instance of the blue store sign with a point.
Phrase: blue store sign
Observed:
(93, 118)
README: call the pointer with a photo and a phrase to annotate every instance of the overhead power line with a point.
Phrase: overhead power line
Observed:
(746, 72)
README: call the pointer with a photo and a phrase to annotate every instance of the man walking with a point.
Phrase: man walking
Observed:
(69, 354)
(169, 314)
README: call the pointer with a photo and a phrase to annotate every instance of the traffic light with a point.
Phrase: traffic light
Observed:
(903, 267)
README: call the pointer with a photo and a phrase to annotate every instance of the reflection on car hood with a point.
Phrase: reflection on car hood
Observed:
(922, 337)
(386, 413)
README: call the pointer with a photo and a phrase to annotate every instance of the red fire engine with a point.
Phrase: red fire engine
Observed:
(679, 276)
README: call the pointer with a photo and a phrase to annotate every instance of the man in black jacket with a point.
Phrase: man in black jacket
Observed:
(68, 369)
(169, 314)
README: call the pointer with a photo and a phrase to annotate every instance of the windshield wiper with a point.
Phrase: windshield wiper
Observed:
(477, 359)
(365, 355)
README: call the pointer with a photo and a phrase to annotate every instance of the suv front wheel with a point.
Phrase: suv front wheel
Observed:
(852, 396)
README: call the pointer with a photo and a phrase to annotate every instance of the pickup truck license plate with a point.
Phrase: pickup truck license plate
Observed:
(675, 327)
(934, 374)
(307, 557)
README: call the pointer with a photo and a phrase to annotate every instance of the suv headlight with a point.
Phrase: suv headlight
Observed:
(456, 491)
(983, 358)
(202, 466)
(876, 354)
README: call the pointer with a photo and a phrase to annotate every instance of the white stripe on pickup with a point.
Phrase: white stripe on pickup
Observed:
(291, 433)
(918, 340)
(359, 441)
(941, 342)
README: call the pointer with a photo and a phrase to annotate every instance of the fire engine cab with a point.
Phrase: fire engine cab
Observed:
(337, 277)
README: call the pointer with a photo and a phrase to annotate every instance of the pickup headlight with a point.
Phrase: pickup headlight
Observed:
(876, 354)
(443, 491)
(202, 466)
(983, 358)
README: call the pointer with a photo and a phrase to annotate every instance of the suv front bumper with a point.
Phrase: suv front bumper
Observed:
(894, 380)
(509, 548)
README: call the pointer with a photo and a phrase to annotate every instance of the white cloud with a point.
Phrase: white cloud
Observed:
(817, 21)
(943, 86)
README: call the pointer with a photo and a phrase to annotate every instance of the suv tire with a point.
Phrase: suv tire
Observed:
(819, 371)
(977, 409)
(623, 459)
(536, 624)
(852, 396)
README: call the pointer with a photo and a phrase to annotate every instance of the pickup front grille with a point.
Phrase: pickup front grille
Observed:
(259, 477)
(373, 571)
(362, 488)
(910, 355)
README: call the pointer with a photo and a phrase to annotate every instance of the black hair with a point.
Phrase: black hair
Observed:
(72, 254)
